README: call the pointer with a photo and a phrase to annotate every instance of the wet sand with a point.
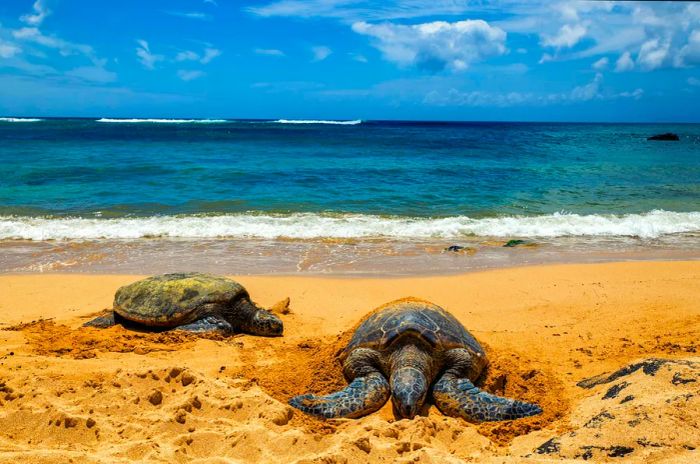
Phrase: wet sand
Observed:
(90, 395)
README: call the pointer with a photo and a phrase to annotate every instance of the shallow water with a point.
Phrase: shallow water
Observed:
(267, 196)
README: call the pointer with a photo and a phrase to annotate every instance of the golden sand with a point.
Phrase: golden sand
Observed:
(90, 395)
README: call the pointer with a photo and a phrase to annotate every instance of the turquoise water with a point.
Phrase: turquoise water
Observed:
(87, 178)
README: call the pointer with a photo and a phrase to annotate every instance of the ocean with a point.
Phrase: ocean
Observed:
(340, 197)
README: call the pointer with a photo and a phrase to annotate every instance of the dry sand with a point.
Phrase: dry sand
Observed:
(70, 394)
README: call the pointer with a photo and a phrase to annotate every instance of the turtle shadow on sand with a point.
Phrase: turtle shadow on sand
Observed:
(194, 302)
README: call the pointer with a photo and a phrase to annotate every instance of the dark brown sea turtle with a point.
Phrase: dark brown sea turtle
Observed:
(408, 349)
(191, 301)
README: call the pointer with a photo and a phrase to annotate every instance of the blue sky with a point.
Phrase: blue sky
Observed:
(350, 59)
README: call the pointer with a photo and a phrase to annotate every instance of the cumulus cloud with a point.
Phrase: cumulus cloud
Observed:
(436, 45)
(624, 63)
(36, 18)
(145, 56)
(601, 64)
(189, 75)
(653, 54)
(321, 52)
(566, 37)
(689, 55)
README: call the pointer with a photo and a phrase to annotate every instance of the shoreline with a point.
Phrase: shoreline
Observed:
(330, 257)
(545, 329)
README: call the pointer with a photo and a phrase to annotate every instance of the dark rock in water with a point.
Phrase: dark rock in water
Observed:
(514, 243)
(461, 249)
(668, 136)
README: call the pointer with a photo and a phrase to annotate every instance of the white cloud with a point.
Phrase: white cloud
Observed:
(269, 51)
(189, 75)
(92, 74)
(359, 57)
(187, 55)
(589, 91)
(191, 15)
(211, 2)
(205, 57)
(40, 13)
(209, 54)
(653, 54)
(694, 81)
(608, 27)
(436, 45)
(585, 93)
(601, 64)
(146, 57)
(624, 63)
(566, 37)
(65, 48)
(321, 52)
(689, 55)
(8, 49)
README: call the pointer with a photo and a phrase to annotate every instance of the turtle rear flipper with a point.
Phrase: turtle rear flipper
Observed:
(460, 398)
(104, 320)
(363, 396)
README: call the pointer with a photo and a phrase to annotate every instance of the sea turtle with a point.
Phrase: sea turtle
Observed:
(189, 301)
(401, 350)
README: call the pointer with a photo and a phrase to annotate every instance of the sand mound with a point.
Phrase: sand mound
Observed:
(45, 337)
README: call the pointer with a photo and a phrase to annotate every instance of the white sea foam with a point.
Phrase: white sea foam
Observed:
(318, 121)
(20, 119)
(311, 226)
(163, 121)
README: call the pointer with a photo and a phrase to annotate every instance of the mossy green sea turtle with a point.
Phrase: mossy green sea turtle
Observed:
(408, 349)
(189, 301)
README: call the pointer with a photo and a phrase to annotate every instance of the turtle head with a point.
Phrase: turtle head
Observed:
(249, 318)
(409, 388)
(267, 324)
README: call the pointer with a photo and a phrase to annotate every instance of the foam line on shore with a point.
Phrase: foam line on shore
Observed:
(313, 226)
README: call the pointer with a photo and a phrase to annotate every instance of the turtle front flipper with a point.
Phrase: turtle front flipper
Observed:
(208, 324)
(460, 398)
(104, 320)
(363, 396)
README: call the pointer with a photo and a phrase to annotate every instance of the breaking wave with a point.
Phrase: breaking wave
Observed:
(318, 121)
(312, 226)
(163, 121)
(20, 119)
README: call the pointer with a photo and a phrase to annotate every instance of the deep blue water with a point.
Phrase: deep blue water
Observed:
(81, 167)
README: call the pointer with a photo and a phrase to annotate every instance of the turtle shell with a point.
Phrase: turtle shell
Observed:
(411, 316)
(169, 300)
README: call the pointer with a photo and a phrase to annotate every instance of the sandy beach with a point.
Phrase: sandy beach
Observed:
(71, 394)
